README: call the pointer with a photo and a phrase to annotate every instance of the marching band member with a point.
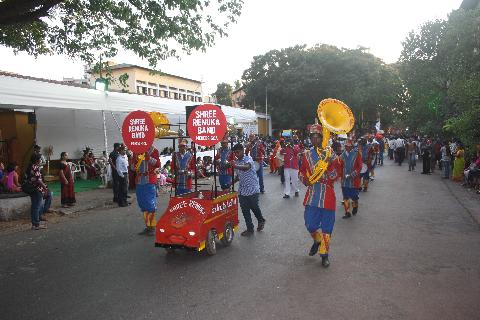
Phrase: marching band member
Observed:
(223, 158)
(146, 167)
(352, 165)
(183, 166)
(368, 154)
(320, 199)
(290, 153)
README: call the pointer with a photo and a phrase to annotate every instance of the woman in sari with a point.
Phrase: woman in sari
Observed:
(458, 164)
(66, 182)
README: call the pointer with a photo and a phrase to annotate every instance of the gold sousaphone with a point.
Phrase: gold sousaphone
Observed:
(336, 117)
(162, 125)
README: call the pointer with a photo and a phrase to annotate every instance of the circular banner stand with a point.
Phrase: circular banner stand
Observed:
(138, 131)
(207, 125)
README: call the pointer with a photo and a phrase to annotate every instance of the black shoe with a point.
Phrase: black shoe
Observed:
(296, 194)
(347, 215)
(286, 196)
(354, 210)
(364, 189)
(123, 204)
(314, 249)
(261, 225)
(262, 192)
(115, 200)
(150, 231)
(246, 233)
(325, 262)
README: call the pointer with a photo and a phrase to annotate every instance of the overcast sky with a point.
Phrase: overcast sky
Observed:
(380, 25)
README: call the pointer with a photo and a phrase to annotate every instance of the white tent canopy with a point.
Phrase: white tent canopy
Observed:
(70, 118)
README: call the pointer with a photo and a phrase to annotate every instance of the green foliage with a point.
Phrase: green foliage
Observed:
(86, 29)
(237, 85)
(123, 78)
(224, 94)
(440, 66)
(298, 78)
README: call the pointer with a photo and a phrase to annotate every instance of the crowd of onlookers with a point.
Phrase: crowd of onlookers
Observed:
(449, 156)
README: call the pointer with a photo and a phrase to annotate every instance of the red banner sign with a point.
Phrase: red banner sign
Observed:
(206, 125)
(138, 131)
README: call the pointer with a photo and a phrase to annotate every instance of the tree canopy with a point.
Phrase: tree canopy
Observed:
(223, 94)
(440, 66)
(296, 79)
(85, 29)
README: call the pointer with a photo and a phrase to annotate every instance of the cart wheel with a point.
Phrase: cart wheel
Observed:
(210, 244)
(170, 250)
(227, 234)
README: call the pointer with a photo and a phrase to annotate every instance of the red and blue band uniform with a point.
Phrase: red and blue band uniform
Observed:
(183, 166)
(368, 154)
(223, 157)
(351, 180)
(320, 201)
(145, 166)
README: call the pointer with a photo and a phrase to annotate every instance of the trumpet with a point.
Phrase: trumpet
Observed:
(335, 117)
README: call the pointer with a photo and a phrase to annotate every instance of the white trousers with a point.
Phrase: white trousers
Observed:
(291, 174)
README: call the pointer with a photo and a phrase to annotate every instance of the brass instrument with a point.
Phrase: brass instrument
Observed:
(335, 117)
(162, 125)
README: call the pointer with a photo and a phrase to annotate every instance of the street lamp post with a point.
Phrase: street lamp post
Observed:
(266, 111)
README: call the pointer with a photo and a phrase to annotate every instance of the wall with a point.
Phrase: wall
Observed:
(139, 74)
(19, 134)
(262, 126)
(25, 136)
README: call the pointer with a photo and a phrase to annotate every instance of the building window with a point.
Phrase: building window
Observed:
(175, 96)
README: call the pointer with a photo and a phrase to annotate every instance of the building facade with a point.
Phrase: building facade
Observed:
(237, 97)
(146, 81)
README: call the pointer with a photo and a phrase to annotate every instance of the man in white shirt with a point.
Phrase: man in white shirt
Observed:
(400, 150)
(391, 148)
(122, 170)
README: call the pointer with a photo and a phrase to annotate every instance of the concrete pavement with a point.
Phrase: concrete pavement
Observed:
(412, 252)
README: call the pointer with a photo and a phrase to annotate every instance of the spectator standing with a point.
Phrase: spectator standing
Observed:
(426, 157)
(41, 197)
(411, 154)
(446, 157)
(437, 155)
(112, 160)
(391, 148)
(400, 150)
(458, 164)
(248, 189)
(66, 182)
(122, 171)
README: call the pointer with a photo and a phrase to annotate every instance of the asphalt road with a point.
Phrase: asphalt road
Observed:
(412, 252)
